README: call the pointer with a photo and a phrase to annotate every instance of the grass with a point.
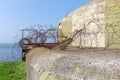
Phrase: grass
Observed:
(12, 71)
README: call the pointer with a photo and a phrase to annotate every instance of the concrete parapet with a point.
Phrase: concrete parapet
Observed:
(45, 64)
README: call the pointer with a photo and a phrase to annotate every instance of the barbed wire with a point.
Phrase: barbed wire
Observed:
(38, 35)
(111, 32)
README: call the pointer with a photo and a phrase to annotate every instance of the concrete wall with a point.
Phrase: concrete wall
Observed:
(112, 21)
(65, 29)
(100, 20)
(44, 64)
(89, 17)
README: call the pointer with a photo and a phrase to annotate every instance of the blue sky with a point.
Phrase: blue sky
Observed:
(18, 14)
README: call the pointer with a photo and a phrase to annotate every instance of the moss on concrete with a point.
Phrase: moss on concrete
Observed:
(112, 21)
(65, 30)
(45, 74)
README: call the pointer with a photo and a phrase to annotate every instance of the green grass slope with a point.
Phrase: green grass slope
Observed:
(12, 71)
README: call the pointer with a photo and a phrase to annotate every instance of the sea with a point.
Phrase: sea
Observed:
(10, 52)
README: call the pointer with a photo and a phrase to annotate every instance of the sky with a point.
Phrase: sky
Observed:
(16, 15)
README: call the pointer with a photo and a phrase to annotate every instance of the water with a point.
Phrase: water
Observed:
(10, 52)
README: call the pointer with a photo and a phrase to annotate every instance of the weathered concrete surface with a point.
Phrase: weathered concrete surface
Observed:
(112, 21)
(100, 20)
(44, 64)
(67, 30)
(91, 18)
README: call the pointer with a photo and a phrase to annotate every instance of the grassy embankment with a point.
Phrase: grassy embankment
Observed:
(12, 71)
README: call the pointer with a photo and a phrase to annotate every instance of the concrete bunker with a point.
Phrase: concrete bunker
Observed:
(95, 26)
